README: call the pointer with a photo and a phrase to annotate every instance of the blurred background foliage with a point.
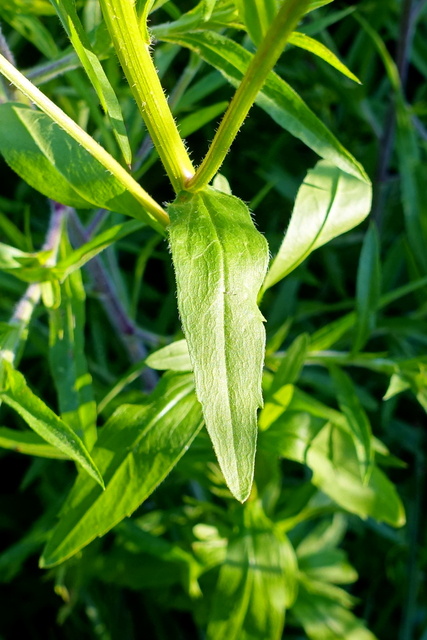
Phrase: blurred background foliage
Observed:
(146, 577)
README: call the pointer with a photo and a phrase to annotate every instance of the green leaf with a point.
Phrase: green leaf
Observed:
(303, 41)
(257, 15)
(59, 167)
(136, 449)
(36, 7)
(32, 29)
(291, 364)
(80, 256)
(256, 583)
(43, 421)
(29, 443)
(356, 418)
(68, 15)
(67, 359)
(324, 618)
(330, 453)
(220, 261)
(174, 356)
(276, 97)
(368, 288)
(329, 203)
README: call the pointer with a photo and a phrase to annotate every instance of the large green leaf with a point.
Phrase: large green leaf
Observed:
(220, 261)
(329, 202)
(56, 165)
(135, 451)
(276, 97)
(17, 395)
(256, 583)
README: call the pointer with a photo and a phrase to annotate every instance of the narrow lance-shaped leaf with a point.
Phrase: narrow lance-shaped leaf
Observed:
(28, 442)
(357, 420)
(303, 41)
(68, 15)
(329, 202)
(67, 359)
(17, 395)
(220, 261)
(276, 97)
(135, 451)
(368, 288)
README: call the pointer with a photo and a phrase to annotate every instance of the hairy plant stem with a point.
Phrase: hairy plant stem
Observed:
(131, 336)
(175, 96)
(134, 55)
(261, 64)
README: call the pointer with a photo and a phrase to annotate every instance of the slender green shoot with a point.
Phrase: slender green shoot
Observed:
(263, 61)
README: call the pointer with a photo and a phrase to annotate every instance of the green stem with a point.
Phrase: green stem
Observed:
(159, 216)
(262, 63)
(133, 52)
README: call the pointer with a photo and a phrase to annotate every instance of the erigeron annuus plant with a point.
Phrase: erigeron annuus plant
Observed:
(220, 258)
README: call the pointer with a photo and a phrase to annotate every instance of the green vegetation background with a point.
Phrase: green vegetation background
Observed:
(105, 593)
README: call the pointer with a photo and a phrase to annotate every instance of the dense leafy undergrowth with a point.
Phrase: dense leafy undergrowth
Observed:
(326, 539)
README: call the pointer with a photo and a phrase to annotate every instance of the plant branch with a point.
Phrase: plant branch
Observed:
(260, 66)
(133, 52)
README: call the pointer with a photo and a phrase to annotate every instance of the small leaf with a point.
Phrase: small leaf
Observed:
(314, 46)
(29, 443)
(136, 449)
(291, 364)
(356, 417)
(43, 421)
(174, 356)
(323, 617)
(80, 256)
(329, 203)
(368, 288)
(220, 261)
(256, 583)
